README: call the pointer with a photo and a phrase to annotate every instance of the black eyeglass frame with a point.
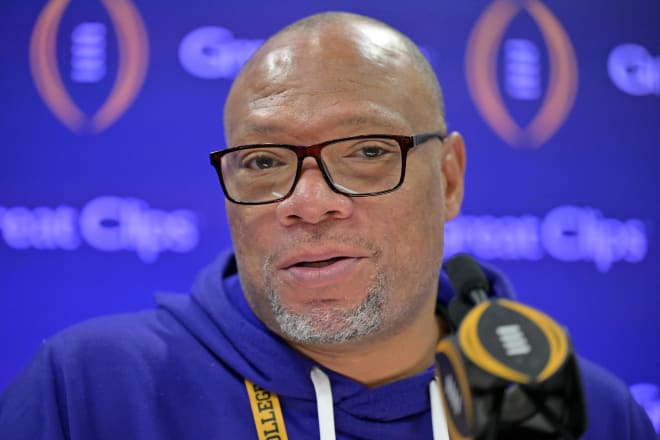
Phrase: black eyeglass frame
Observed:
(405, 143)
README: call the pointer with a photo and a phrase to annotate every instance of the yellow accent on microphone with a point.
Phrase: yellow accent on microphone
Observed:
(554, 334)
(447, 347)
(477, 353)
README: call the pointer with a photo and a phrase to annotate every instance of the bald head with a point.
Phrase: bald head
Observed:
(333, 53)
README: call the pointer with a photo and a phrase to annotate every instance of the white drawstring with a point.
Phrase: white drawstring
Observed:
(326, 416)
(324, 405)
(438, 419)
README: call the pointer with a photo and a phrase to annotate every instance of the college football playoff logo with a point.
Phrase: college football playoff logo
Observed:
(133, 52)
(481, 66)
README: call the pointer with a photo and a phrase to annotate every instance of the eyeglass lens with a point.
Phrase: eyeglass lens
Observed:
(355, 167)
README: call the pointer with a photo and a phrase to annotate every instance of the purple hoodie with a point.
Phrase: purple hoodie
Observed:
(178, 372)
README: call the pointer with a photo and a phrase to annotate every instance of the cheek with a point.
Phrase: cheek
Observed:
(249, 238)
(425, 232)
(251, 248)
(237, 226)
(420, 233)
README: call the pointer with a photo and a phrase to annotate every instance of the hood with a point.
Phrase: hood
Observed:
(218, 316)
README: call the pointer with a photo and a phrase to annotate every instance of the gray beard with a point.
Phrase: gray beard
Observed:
(328, 325)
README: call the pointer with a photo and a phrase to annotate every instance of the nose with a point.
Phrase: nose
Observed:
(312, 200)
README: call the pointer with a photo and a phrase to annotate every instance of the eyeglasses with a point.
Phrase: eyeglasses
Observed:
(356, 166)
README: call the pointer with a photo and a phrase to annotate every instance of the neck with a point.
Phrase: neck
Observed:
(380, 361)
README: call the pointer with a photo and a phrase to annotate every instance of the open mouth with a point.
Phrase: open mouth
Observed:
(321, 270)
(321, 263)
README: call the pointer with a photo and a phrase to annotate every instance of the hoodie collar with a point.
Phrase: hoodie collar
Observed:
(218, 315)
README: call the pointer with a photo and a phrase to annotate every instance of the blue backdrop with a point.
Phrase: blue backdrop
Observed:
(111, 107)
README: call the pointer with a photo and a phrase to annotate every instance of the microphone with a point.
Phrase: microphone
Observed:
(469, 283)
(509, 371)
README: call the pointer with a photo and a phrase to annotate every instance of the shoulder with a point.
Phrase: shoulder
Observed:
(612, 412)
(113, 348)
(110, 335)
(104, 360)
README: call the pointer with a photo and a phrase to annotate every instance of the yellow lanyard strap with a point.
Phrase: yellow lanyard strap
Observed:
(267, 413)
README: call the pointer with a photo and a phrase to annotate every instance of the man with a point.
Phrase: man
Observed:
(323, 322)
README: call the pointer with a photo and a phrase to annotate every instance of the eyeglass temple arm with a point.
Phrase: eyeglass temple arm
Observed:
(423, 137)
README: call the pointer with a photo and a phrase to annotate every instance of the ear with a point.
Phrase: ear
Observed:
(453, 172)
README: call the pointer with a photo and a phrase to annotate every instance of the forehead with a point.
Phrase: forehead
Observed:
(359, 118)
(333, 79)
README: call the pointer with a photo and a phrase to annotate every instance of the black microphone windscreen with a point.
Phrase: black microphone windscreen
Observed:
(466, 275)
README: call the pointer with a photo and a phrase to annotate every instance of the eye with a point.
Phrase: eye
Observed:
(371, 151)
(261, 163)
(259, 160)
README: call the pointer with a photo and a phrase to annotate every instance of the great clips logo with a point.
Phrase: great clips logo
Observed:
(88, 62)
(516, 67)
(106, 223)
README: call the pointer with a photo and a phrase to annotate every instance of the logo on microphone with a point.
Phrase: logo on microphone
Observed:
(521, 65)
(513, 340)
(453, 395)
(538, 343)
(88, 62)
(455, 389)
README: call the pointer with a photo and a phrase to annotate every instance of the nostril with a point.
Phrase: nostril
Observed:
(313, 201)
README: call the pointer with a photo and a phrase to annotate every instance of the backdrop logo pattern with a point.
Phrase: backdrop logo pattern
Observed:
(106, 223)
(212, 52)
(565, 233)
(133, 55)
(634, 70)
(481, 71)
